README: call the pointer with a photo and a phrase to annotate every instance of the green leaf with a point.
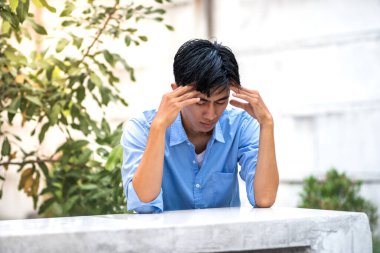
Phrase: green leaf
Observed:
(68, 9)
(114, 158)
(37, 3)
(44, 168)
(42, 133)
(131, 30)
(79, 144)
(43, 3)
(90, 85)
(77, 41)
(89, 187)
(143, 38)
(68, 205)
(81, 92)
(84, 156)
(169, 27)
(54, 114)
(106, 127)
(109, 57)
(159, 19)
(38, 28)
(15, 56)
(127, 40)
(159, 11)
(22, 10)
(6, 148)
(68, 23)
(13, 107)
(46, 204)
(159, 1)
(13, 4)
(96, 79)
(62, 43)
(5, 27)
(34, 100)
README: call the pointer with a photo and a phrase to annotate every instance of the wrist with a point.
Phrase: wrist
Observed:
(267, 122)
(158, 125)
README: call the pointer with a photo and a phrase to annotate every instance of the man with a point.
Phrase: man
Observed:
(185, 154)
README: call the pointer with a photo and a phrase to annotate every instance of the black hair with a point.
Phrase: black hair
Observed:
(209, 66)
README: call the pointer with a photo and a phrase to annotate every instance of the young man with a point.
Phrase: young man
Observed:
(185, 154)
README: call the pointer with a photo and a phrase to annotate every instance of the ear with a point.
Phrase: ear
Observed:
(174, 86)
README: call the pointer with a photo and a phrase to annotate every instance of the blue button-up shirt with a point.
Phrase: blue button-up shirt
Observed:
(235, 140)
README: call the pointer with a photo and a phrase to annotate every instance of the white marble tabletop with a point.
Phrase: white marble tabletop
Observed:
(201, 230)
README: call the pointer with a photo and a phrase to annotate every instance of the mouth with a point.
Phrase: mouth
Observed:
(207, 125)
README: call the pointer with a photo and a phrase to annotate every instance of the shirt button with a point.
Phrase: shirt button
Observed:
(198, 185)
(194, 162)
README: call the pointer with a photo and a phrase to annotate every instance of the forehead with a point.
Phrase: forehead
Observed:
(217, 94)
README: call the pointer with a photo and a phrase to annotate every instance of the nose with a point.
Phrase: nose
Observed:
(210, 112)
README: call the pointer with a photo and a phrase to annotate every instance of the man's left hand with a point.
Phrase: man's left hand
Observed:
(255, 105)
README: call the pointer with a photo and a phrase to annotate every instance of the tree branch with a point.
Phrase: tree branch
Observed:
(100, 31)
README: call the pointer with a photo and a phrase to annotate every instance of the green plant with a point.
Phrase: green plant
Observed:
(336, 192)
(50, 88)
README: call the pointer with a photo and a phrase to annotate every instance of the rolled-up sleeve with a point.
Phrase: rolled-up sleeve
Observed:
(247, 154)
(133, 140)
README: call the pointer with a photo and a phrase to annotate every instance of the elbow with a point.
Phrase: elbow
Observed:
(264, 202)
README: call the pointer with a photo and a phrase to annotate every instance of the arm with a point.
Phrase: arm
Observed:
(147, 180)
(266, 178)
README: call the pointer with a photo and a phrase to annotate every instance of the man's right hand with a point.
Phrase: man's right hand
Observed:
(173, 102)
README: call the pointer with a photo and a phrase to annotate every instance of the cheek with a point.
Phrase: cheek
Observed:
(190, 112)
(221, 109)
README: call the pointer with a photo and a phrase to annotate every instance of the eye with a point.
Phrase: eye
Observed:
(202, 102)
(222, 102)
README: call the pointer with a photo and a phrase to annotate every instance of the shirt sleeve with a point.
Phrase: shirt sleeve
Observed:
(133, 140)
(247, 154)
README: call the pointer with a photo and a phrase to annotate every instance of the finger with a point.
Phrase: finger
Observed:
(242, 90)
(191, 94)
(182, 90)
(245, 97)
(189, 102)
(239, 104)
(250, 91)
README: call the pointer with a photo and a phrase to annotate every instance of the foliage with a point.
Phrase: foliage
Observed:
(376, 243)
(52, 88)
(336, 192)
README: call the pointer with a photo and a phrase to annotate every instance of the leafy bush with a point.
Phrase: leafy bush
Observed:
(48, 89)
(336, 192)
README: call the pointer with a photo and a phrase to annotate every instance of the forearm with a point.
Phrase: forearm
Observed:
(148, 177)
(266, 177)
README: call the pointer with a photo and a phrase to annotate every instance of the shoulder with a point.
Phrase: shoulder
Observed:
(141, 120)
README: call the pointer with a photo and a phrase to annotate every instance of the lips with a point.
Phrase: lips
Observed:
(207, 125)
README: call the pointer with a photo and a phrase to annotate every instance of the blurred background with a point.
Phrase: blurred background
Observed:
(316, 64)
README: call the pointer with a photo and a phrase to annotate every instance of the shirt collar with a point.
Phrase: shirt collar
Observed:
(178, 135)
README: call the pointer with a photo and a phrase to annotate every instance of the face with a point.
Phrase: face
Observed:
(201, 118)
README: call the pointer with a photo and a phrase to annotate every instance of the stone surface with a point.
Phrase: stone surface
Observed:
(205, 230)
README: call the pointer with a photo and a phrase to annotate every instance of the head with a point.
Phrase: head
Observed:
(211, 68)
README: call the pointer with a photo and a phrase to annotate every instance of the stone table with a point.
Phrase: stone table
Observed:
(202, 230)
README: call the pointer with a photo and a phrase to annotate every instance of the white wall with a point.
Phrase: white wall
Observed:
(316, 64)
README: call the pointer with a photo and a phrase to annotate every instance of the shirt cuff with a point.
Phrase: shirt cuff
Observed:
(135, 204)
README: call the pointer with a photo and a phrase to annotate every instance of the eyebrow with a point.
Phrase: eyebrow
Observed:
(220, 99)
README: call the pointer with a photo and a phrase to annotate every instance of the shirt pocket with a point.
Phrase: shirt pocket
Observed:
(225, 188)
